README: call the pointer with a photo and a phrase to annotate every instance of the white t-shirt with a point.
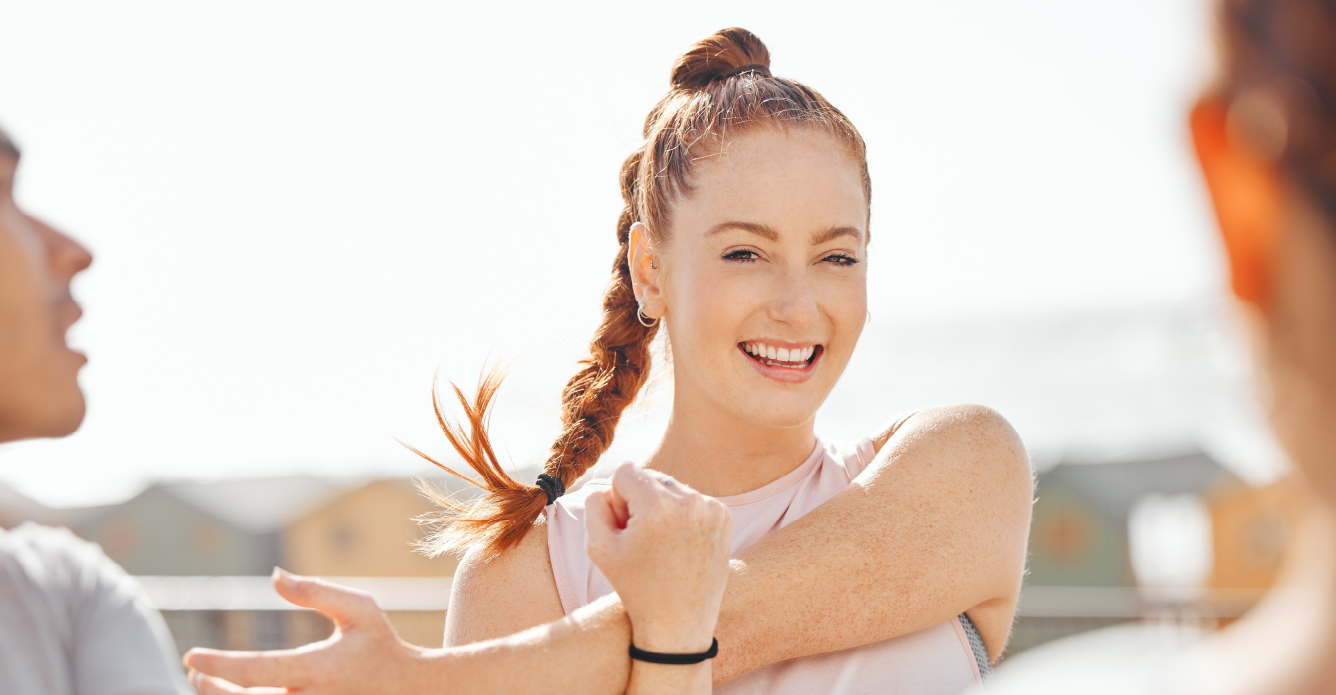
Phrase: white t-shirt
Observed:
(72, 622)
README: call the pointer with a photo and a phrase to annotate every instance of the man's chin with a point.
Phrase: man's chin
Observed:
(62, 417)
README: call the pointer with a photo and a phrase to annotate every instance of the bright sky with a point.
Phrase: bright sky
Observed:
(300, 211)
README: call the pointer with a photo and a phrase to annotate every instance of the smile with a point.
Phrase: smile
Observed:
(796, 357)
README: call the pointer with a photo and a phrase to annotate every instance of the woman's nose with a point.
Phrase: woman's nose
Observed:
(794, 302)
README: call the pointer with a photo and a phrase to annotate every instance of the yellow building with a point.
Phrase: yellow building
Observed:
(368, 532)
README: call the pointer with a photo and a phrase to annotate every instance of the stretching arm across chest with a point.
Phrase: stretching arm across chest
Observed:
(936, 526)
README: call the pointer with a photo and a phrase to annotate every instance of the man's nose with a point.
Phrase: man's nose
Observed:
(66, 256)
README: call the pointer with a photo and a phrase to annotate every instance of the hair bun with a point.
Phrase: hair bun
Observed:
(726, 52)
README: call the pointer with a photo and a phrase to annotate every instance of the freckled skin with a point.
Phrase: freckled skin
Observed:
(797, 183)
(733, 429)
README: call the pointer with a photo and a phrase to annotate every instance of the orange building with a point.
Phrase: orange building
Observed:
(1252, 527)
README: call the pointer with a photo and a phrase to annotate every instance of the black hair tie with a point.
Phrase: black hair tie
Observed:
(757, 68)
(552, 486)
(675, 659)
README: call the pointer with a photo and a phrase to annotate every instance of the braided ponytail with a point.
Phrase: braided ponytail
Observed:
(720, 87)
(591, 406)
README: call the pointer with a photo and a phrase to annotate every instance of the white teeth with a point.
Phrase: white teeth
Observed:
(771, 354)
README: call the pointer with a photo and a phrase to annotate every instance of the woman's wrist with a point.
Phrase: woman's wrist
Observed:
(673, 638)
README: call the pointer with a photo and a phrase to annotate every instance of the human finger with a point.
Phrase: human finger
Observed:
(601, 526)
(210, 685)
(637, 487)
(600, 517)
(618, 505)
(285, 668)
(341, 604)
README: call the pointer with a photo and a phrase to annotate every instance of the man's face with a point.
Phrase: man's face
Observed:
(39, 387)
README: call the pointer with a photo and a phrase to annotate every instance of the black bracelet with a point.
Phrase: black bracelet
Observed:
(675, 659)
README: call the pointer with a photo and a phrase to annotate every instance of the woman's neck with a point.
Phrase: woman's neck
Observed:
(721, 455)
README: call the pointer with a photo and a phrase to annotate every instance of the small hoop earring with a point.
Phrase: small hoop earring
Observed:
(640, 316)
(869, 317)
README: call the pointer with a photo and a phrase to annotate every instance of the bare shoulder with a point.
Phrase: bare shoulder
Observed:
(968, 466)
(511, 592)
(982, 434)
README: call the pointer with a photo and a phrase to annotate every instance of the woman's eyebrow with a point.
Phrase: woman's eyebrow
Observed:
(836, 232)
(761, 230)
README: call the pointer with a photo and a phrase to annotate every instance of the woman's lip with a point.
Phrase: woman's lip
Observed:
(786, 375)
(789, 345)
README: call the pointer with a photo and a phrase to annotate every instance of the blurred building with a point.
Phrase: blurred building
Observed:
(245, 527)
(1112, 542)
(369, 531)
(1079, 531)
(1253, 526)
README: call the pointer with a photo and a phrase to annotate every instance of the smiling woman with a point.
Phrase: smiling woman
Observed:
(745, 554)
(745, 237)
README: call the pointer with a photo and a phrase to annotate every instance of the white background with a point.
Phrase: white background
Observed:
(300, 211)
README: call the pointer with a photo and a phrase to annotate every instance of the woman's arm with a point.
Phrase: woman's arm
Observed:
(664, 548)
(513, 591)
(936, 526)
(666, 555)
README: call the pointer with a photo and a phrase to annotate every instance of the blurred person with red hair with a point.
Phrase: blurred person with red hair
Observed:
(71, 621)
(1265, 138)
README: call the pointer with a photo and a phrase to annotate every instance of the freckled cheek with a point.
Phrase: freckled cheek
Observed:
(711, 315)
(846, 307)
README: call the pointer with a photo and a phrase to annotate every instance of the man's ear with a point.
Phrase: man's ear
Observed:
(1246, 193)
(645, 268)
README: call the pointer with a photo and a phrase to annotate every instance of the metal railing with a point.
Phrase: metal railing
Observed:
(247, 613)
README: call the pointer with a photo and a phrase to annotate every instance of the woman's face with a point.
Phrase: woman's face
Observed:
(763, 282)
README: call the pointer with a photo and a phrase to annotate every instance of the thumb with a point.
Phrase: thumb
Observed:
(618, 505)
(601, 525)
(634, 488)
(341, 604)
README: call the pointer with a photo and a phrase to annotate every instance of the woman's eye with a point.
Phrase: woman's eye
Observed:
(841, 259)
(744, 255)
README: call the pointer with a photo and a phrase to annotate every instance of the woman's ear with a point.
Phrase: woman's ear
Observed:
(1245, 190)
(645, 271)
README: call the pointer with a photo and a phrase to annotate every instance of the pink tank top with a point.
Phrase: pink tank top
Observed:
(934, 660)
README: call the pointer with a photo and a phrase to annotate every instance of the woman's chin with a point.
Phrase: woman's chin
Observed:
(778, 416)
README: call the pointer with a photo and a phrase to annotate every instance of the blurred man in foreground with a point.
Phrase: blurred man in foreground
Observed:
(71, 621)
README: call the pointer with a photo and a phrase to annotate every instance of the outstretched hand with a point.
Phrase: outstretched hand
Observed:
(364, 655)
(664, 547)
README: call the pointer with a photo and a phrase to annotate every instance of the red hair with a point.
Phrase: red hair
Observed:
(720, 87)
